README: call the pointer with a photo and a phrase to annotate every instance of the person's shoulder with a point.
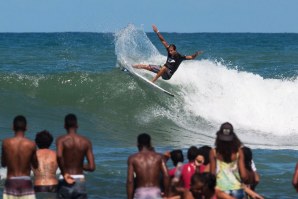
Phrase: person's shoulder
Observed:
(28, 144)
(60, 137)
(52, 153)
(10, 142)
(84, 139)
(187, 194)
(212, 152)
(6, 140)
(46, 151)
(178, 54)
(158, 155)
(6, 143)
(132, 157)
(28, 141)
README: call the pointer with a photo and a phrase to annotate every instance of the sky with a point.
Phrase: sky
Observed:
(268, 16)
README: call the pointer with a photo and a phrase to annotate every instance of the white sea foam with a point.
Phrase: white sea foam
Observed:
(218, 94)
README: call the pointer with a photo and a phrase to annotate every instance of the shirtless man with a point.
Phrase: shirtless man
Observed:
(18, 155)
(146, 165)
(45, 181)
(71, 152)
(174, 59)
(295, 178)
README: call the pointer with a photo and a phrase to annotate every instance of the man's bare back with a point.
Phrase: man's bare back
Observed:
(18, 154)
(72, 149)
(71, 152)
(146, 165)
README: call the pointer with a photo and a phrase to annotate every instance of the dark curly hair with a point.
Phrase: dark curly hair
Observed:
(204, 151)
(177, 156)
(208, 181)
(43, 139)
(192, 153)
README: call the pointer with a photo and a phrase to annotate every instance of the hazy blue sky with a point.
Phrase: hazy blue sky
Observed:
(168, 15)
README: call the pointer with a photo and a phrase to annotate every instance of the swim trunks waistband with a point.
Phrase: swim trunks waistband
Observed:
(147, 193)
(80, 176)
(20, 178)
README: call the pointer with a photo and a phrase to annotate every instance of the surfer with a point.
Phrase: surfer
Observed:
(174, 59)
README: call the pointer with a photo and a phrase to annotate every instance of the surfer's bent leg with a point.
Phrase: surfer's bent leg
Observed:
(155, 68)
(162, 70)
(142, 66)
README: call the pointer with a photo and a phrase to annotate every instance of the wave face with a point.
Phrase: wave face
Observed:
(53, 74)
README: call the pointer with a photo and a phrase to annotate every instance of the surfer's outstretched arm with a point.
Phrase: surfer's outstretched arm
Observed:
(163, 41)
(194, 55)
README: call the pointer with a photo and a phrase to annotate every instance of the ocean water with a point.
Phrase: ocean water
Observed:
(247, 79)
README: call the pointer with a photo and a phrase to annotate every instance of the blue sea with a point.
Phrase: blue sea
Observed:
(248, 79)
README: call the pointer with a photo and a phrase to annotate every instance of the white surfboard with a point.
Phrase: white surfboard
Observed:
(131, 71)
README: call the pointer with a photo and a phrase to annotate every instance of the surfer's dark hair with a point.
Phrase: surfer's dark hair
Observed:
(43, 139)
(173, 46)
(144, 140)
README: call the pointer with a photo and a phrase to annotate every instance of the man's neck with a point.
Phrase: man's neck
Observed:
(144, 149)
(19, 134)
(72, 131)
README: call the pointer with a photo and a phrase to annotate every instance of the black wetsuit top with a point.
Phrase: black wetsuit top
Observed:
(174, 61)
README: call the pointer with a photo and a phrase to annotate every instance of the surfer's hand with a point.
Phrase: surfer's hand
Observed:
(155, 28)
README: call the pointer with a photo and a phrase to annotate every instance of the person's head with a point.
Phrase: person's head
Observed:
(203, 155)
(176, 156)
(172, 49)
(70, 121)
(199, 160)
(227, 142)
(43, 139)
(247, 157)
(19, 123)
(192, 153)
(144, 141)
(203, 184)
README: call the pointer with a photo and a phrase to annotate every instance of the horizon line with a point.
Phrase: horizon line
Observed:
(94, 32)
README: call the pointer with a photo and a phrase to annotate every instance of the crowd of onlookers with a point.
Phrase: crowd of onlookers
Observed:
(226, 171)
(20, 155)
